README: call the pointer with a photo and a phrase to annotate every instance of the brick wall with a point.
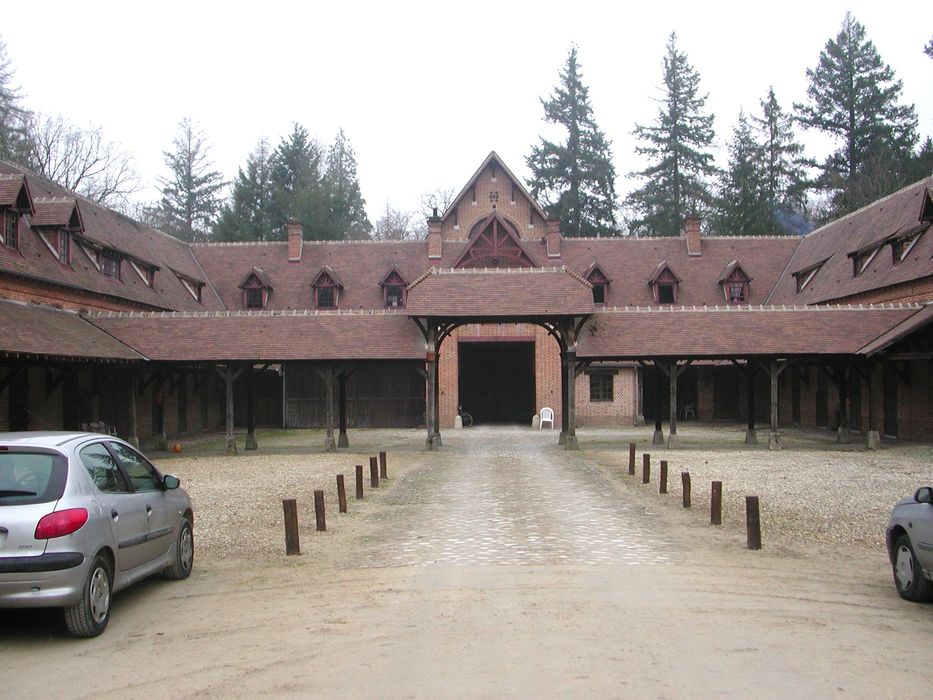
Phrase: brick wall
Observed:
(35, 292)
(619, 411)
(908, 293)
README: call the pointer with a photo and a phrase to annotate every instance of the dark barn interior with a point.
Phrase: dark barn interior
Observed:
(497, 381)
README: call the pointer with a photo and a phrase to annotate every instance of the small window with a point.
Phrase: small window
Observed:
(103, 469)
(738, 292)
(143, 475)
(28, 478)
(325, 297)
(10, 229)
(901, 247)
(110, 265)
(64, 246)
(599, 293)
(665, 292)
(600, 388)
(254, 297)
(394, 296)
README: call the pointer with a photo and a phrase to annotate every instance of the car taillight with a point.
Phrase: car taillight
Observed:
(61, 523)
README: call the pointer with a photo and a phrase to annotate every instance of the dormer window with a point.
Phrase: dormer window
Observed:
(900, 247)
(326, 288)
(664, 284)
(63, 248)
(256, 289)
(109, 264)
(734, 283)
(10, 229)
(394, 290)
(194, 287)
(805, 276)
(600, 282)
(861, 259)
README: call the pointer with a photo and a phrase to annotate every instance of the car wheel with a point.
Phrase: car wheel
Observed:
(89, 616)
(908, 576)
(184, 553)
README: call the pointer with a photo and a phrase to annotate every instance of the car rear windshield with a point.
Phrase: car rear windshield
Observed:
(31, 477)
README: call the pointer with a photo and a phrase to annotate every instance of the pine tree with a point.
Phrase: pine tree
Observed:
(854, 96)
(346, 206)
(191, 196)
(296, 183)
(743, 208)
(677, 145)
(14, 119)
(785, 181)
(248, 215)
(576, 178)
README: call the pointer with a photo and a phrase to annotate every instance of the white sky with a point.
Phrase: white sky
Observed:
(423, 90)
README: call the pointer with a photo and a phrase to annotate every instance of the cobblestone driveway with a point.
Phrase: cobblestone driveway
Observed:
(509, 496)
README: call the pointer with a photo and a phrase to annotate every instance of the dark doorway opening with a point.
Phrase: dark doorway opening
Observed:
(686, 394)
(497, 381)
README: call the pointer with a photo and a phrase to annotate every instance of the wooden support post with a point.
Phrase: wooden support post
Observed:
(658, 438)
(842, 389)
(430, 365)
(570, 331)
(342, 439)
(662, 483)
(715, 504)
(562, 438)
(341, 494)
(631, 458)
(383, 466)
(873, 435)
(133, 437)
(373, 473)
(438, 442)
(685, 480)
(751, 435)
(251, 443)
(319, 510)
(645, 468)
(774, 439)
(752, 522)
(330, 445)
(290, 507)
(228, 384)
(158, 392)
(359, 482)
(672, 440)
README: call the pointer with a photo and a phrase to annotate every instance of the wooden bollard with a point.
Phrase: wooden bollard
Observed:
(383, 467)
(359, 482)
(645, 468)
(715, 504)
(753, 522)
(662, 485)
(373, 473)
(685, 479)
(319, 510)
(341, 494)
(631, 459)
(292, 546)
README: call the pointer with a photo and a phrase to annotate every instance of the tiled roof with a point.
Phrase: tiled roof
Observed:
(55, 211)
(736, 332)
(266, 336)
(260, 275)
(475, 292)
(898, 213)
(112, 230)
(42, 331)
(921, 319)
(11, 185)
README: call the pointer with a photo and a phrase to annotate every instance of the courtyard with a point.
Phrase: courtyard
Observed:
(502, 565)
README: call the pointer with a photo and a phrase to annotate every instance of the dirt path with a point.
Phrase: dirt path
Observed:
(512, 570)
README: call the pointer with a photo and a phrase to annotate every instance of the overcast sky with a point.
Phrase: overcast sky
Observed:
(425, 90)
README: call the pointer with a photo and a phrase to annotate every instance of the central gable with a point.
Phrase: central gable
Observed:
(493, 189)
(494, 242)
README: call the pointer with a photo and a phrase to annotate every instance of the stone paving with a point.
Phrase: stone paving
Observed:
(515, 498)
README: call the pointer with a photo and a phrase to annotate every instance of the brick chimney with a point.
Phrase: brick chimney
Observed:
(692, 234)
(294, 240)
(552, 238)
(435, 242)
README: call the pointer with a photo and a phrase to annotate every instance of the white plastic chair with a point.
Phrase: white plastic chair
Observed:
(547, 414)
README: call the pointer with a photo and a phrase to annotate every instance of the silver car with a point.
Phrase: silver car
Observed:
(910, 545)
(82, 516)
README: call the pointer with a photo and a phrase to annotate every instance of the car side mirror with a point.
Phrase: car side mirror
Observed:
(170, 482)
(924, 495)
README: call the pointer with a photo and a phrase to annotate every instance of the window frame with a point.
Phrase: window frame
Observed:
(110, 265)
(120, 476)
(387, 296)
(603, 389)
(10, 230)
(147, 466)
(741, 286)
(332, 289)
(667, 286)
(250, 296)
(599, 290)
(63, 246)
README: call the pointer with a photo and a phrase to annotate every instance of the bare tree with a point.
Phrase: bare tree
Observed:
(398, 225)
(82, 161)
(439, 199)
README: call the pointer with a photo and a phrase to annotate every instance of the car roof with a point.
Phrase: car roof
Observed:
(45, 438)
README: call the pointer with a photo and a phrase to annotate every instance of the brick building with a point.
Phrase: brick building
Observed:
(107, 320)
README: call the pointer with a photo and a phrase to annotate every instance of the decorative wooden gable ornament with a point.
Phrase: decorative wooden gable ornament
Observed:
(326, 288)
(494, 242)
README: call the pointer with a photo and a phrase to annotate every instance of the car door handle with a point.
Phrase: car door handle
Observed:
(114, 514)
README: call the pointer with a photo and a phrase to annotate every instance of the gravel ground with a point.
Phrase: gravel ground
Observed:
(814, 494)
